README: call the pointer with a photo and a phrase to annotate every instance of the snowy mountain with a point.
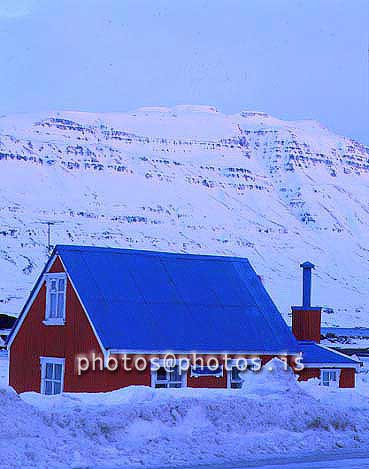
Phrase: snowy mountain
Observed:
(190, 179)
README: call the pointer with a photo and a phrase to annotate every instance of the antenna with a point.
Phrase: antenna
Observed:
(49, 224)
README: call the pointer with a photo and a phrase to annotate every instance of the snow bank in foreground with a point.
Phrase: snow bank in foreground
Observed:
(144, 427)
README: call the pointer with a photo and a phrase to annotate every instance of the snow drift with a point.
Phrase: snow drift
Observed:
(144, 427)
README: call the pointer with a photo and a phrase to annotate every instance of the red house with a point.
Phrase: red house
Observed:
(99, 319)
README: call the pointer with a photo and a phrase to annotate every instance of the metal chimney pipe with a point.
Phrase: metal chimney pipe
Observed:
(306, 286)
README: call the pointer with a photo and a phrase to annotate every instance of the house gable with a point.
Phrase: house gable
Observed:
(54, 265)
(33, 339)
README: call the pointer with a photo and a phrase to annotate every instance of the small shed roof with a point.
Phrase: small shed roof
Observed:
(317, 354)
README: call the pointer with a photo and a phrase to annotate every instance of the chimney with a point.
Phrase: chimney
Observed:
(306, 319)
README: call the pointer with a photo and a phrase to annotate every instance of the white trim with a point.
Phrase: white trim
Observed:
(331, 365)
(116, 351)
(31, 299)
(153, 378)
(335, 384)
(52, 275)
(355, 363)
(229, 373)
(338, 353)
(229, 379)
(54, 361)
(48, 278)
(54, 322)
(200, 375)
(8, 366)
(161, 363)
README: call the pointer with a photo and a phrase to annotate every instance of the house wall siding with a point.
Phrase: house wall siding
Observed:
(308, 373)
(347, 378)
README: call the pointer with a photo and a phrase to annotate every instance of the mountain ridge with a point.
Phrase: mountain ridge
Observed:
(191, 179)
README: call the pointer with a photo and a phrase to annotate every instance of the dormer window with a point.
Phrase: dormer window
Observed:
(56, 285)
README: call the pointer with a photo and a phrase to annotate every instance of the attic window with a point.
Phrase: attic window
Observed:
(56, 285)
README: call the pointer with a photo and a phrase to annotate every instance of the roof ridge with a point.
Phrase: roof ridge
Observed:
(75, 247)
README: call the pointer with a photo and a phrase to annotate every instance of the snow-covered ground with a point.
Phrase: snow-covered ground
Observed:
(143, 427)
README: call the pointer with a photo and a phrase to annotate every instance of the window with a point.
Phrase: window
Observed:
(168, 378)
(198, 371)
(234, 378)
(55, 298)
(52, 375)
(329, 377)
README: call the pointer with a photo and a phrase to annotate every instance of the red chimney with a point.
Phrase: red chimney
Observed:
(306, 319)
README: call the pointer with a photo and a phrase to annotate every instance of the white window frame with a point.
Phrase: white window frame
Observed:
(331, 383)
(55, 321)
(230, 380)
(194, 373)
(53, 361)
(236, 363)
(166, 382)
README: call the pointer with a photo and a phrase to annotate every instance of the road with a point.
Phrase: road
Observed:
(353, 461)
(357, 463)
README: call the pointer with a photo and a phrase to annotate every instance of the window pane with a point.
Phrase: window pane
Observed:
(236, 385)
(174, 374)
(61, 284)
(57, 388)
(60, 311)
(235, 374)
(48, 387)
(52, 306)
(160, 386)
(57, 372)
(161, 374)
(53, 285)
(175, 385)
(49, 371)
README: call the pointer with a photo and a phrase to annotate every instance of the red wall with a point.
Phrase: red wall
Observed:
(306, 324)
(309, 373)
(347, 376)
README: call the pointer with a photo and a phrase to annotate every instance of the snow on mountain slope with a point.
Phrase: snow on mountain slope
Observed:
(190, 179)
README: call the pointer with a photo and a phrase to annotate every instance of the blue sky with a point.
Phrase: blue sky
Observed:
(291, 58)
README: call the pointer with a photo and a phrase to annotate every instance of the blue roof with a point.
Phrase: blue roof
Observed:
(156, 301)
(318, 354)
